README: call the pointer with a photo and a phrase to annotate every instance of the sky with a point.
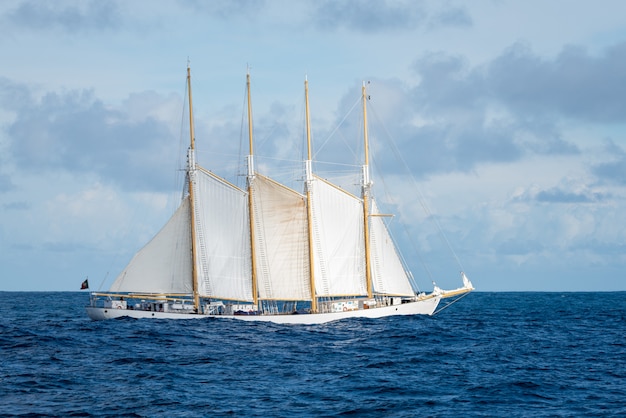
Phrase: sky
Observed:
(509, 115)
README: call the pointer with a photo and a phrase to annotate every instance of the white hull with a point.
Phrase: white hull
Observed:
(98, 314)
(420, 307)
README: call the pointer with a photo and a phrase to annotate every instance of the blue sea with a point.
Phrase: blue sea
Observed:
(490, 354)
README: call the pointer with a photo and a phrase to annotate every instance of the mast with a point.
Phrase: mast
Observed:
(309, 179)
(191, 170)
(365, 190)
(250, 177)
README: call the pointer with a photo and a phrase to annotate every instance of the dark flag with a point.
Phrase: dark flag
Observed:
(85, 285)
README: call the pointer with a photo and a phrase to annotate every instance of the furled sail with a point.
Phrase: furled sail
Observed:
(163, 265)
(338, 240)
(222, 238)
(388, 273)
(281, 241)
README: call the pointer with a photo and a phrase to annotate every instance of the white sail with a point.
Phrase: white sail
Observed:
(222, 238)
(388, 273)
(339, 255)
(163, 265)
(281, 241)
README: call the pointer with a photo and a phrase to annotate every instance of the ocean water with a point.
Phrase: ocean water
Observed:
(490, 354)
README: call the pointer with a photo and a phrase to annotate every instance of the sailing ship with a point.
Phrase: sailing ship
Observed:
(268, 252)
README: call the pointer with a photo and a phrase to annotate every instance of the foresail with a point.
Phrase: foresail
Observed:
(281, 241)
(339, 253)
(163, 265)
(223, 238)
(388, 273)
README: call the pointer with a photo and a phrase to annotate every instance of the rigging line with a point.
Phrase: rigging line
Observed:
(357, 102)
(103, 280)
(421, 198)
(182, 155)
(268, 157)
(239, 175)
(352, 166)
(180, 168)
(298, 173)
(451, 303)
(171, 205)
(404, 227)
(260, 141)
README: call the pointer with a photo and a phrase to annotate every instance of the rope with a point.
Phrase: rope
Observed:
(404, 227)
(449, 304)
(337, 128)
(415, 187)
(103, 280)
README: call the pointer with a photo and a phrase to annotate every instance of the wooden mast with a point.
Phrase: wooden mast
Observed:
(309, 179)
(365, 190)
(255, 292)
(191, 169)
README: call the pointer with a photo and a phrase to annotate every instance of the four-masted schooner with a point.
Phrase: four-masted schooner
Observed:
(268, 252)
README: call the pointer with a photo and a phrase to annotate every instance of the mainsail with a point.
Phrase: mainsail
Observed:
(223, 238)
(338, 240)
(281, 241)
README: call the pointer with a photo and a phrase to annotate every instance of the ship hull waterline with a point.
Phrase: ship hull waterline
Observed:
(420, 307)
